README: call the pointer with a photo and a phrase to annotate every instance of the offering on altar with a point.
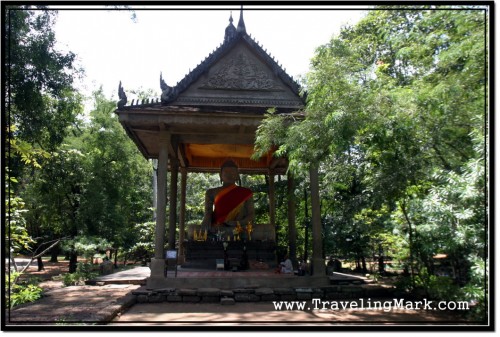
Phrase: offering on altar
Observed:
(200, 235)
(249, 229)
(237, 231)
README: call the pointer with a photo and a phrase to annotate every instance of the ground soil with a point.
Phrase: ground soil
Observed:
(246, 313)
(51, 276)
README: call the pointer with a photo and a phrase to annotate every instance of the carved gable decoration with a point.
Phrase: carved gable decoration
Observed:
(241, 76)
(241, 73)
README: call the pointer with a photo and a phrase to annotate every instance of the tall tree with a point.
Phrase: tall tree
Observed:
(395, 113)
(111, 206)
(95, 186)
(40, 98)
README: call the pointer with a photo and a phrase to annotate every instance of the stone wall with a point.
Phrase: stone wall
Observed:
(225, 297)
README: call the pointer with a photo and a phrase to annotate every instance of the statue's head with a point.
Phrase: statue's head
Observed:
(229, 172)
(228, 163)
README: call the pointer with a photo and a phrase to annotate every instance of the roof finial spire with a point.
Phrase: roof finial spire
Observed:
(230, 30)
(241, 23)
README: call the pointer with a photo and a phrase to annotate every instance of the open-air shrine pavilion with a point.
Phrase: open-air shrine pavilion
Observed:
(211, 115)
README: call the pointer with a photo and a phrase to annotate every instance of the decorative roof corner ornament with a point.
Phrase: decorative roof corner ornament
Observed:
(168, 93)
(230, 32)
(122, 97)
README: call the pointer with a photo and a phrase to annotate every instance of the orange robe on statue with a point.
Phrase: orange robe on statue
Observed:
(228, 203)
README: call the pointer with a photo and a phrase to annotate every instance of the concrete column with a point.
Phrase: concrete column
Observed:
(292, 229)
(172, 219)
(158, 262)
(318, 263)
(182, 215)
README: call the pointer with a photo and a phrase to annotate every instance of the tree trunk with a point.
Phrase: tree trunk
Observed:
(363, 262)
(381, 266)
(410, 243)
(40, 263)
(54, 252)
(116, 257)
(73, 259)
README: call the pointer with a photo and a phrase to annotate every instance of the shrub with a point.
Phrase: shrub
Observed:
(22, 292)
(84, 272)
(25, 294)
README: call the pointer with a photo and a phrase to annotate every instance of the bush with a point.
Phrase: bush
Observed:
(22, 292)
(25, 294)
(84, 272)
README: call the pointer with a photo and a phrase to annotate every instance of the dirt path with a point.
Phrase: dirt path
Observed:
(265, 313)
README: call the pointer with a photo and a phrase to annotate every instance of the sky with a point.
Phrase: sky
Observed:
(112, 46)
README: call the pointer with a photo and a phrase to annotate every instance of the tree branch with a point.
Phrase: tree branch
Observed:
(55, 242)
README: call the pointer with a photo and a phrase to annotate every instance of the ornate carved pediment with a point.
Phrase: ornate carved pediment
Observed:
(241, 73)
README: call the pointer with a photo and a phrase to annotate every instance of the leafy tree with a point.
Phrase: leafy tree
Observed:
(84, 190)
(54, 196)
(17, 238)
(396, 116)
(39, 94)
(110, 206)
(40, 101)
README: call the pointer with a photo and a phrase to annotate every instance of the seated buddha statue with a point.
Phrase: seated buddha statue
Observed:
(228, 205)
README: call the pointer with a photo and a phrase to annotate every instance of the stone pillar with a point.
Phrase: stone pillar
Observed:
(272, 200)
(318, 262)
(292, 230)
(182, 215)
(154, 162)
(158, 262)
(172, 219)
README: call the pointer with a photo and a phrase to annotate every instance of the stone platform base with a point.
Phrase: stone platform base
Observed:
(258, 294)
(232, 280)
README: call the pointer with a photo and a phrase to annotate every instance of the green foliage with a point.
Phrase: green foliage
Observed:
(22, 292)
(40, 97)
(54, 194)
(84, 189)
(84, 272)
(17, 237)
(40, 104)
(86, 246)
(437, 287)
(109, 205)
(29, 154)
(474, 292)
(25, 294)
(143, 248)
(396, 119)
